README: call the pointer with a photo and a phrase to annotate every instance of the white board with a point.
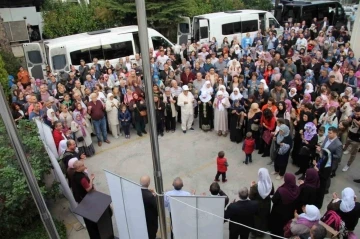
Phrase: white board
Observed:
(188, 222)
(47, 136)
(128, 207)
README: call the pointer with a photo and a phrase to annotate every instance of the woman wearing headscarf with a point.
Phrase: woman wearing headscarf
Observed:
(282, 112)
(306, 99)
(283, 145)
(207, 88)
(309, 89)
(266, 87)
(71, 170)
(276, 75)
(83, 112)
(222, 89)
(294, 98)
(301, 224)
(348, 92)
(237, 114)
(235, 95)
(206, 112)
(138, 108)
(308, 148)
(112, 110)
(309, 188)
(221, 103)
(268, 123)
(51, 117)
(253, 122)
(82, 136)
(170, 110)
(262, 192)
(347, 208)
(299, 125)
(62, 147)
(309, 77)
(65, 117)
(284, 201)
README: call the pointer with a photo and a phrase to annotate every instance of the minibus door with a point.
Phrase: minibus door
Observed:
(35, 60)
(203, 31)
(58, 60)
(184, 31)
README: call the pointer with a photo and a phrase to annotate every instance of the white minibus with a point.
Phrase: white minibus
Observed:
(109, 44)
(226, 24)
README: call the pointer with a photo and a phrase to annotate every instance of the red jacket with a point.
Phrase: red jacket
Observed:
(187, 78)
(249, 145)
(221, 167)
(57, 137)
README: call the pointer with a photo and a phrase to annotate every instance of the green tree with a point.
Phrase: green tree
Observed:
(17, 208)
(4, 75)
(76, 18)
(258, 4)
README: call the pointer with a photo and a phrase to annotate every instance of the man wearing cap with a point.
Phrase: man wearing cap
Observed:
(278, 93)
(185, 101)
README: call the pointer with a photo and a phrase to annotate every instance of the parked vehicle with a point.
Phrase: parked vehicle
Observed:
(298, 11)
(110, 44)
(203, 28)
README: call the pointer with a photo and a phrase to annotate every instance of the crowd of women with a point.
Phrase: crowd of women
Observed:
(298, 93)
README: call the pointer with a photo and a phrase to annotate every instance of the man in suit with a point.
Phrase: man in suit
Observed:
(150, 206)
(97, 67)
(243, 212)
(334, 145)
(226, 77)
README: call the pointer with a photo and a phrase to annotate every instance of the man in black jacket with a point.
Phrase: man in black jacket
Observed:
(150, 206)
(243, 212)
(216, 191)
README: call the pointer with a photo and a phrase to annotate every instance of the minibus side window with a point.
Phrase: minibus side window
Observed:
(159, 41)
(117, 50)
(76, 56)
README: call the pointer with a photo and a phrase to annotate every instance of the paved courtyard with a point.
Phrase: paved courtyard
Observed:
(191, 156)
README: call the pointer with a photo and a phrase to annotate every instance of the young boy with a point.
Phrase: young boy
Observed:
(125, 120)
(248, 147)
(222, 165)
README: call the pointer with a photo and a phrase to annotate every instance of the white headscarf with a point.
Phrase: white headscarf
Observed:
(205, 97)
(347, 200)
(312, 213)
(62, 147)
(310, 90)
(264, 184)
(222, 88)
(206, 89)
(50, 116)
(71, 162)
(266, 87)
(290, 94)
(238, 96)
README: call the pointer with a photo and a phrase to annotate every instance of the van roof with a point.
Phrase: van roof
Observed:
(88, 35)
(302, 3)
(229, 13)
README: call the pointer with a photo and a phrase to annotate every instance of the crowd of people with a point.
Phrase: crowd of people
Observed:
(291, 95)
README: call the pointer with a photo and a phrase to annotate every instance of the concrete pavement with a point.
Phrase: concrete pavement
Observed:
(191, 156)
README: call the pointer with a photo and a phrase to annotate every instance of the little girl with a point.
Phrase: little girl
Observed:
(125, 119)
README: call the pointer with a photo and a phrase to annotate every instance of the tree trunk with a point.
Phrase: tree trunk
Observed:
(4, 41)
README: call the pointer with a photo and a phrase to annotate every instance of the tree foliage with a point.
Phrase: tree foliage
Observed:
(66, 18)
(258, 4)
(4, 75)
(17, 207)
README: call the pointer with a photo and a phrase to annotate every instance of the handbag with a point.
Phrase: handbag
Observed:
(80, 139)
(142, 112)
(254, 127)
(267, 136)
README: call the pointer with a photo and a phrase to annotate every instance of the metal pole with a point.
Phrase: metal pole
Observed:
(26, 168)
(144, 46)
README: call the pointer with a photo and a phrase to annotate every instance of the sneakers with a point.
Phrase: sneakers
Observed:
(346, 152)
(346, 168)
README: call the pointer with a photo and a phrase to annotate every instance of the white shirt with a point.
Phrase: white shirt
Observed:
(301, 43)
(161, 60)
(186, 108)
(174, 193)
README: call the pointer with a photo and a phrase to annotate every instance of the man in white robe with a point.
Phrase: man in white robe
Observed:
(186, 101)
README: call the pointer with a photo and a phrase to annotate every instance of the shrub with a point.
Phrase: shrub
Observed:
(17, 207)
(37, 230)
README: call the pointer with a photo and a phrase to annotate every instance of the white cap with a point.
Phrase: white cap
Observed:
(185, 87)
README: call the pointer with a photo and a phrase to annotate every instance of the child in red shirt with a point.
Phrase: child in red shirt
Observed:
(248, 147)
(222, 165)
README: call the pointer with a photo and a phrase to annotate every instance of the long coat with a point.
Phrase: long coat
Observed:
(221, 116)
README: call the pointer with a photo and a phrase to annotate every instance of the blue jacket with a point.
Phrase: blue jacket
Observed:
(124, 116)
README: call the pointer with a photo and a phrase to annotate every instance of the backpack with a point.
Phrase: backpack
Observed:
(332, 219)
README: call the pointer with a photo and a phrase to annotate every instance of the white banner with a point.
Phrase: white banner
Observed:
(128, 207)
(189, 222)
